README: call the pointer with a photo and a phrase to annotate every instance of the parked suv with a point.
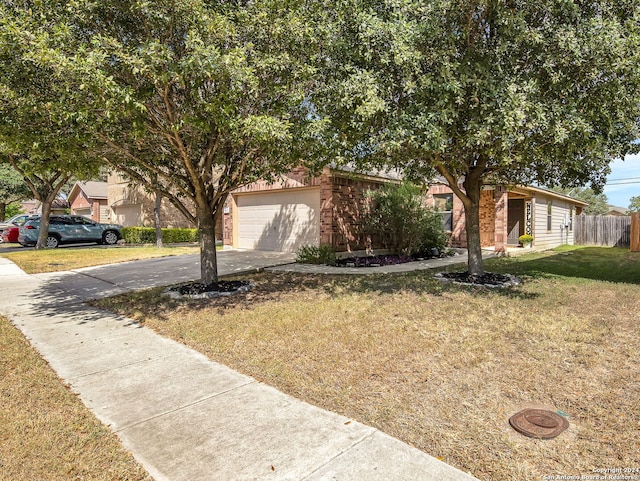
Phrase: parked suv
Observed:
(69, 229)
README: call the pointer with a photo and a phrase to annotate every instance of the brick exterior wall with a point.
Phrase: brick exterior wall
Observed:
(488, 216)
(349, 204)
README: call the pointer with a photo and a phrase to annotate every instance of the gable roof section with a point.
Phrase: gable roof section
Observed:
(91, 189)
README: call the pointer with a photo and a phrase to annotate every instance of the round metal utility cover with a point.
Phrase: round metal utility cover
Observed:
(538, 423)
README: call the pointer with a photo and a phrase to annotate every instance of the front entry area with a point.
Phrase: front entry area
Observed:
(515, 221)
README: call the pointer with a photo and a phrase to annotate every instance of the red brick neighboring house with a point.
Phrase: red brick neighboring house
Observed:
(327, 209)
(90, 200)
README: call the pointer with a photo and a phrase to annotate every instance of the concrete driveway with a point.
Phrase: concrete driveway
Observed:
(104, 281)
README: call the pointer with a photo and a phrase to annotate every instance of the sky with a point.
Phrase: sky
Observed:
(624, 181)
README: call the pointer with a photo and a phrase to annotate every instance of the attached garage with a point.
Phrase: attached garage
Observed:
(275, 220)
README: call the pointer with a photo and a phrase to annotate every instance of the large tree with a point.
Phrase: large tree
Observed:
(483, 92)
(194, 98)
(38, 137)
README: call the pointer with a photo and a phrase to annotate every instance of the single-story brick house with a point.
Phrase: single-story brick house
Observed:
(327, 209)
(90, 200)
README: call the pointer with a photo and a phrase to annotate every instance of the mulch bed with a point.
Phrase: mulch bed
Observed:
(488, 279)
(199, 290)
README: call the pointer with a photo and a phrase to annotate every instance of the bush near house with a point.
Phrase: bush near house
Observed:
(147, 235)
(322, 254)
(399, 217)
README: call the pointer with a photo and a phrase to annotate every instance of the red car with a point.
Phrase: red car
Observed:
(10, 234)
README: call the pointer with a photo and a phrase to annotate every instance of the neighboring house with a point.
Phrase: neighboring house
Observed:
(328, 209)
(59, 206)
(618, 211)
(89, 199)
(132, 206)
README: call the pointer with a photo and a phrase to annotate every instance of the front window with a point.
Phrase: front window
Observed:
(549, 214)
(443, 203)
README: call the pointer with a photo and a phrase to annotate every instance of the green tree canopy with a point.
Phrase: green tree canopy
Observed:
(38, 137)
(195, 98)
(634, 204)
(483, 92)
(13, 188)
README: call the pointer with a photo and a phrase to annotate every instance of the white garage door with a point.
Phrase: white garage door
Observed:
(279, 221)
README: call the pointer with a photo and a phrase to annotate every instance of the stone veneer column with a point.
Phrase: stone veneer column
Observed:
(501, 197)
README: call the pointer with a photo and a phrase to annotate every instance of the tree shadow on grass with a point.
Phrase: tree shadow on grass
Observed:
(281, 287)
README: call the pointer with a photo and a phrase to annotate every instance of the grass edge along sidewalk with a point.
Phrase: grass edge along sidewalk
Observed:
(46, 431)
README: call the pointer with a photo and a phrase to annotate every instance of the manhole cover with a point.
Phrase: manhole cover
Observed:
(538, 423)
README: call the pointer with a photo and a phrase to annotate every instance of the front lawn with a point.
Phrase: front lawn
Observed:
(46, 433)
(443, 367)
(66, 258)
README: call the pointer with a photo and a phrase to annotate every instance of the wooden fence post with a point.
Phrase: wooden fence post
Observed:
(635, 232)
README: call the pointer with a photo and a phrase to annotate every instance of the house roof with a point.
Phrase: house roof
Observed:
(91, 189)
(551, 193)
(615, 210)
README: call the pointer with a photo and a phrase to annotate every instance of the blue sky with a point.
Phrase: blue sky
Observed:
(624, 181)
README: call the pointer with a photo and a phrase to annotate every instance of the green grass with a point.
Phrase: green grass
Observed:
(443, 367)
(46, 433)
(575, 262)
(63, 259)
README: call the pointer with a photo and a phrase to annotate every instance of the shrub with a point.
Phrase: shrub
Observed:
(147, 235)
(399, 217)
(525, 239)
(322, 254)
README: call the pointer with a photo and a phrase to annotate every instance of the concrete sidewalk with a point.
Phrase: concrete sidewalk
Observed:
(185, 417)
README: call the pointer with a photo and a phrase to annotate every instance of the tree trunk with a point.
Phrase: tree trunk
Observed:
(208, 254)
(3, 211)
(44, 223)
(472, 226)
(156, 219)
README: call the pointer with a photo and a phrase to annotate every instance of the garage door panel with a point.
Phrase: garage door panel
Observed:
(281, 221)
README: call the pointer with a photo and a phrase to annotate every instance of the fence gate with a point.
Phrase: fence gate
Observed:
(603, 230)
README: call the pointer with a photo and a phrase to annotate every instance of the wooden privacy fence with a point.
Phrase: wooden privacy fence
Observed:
(603, 230)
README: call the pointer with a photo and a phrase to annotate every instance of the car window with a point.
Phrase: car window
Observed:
(60, 221)
(20, 220)
(83, 221)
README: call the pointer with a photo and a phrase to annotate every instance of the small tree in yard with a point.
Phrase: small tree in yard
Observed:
(486, 92)
(634, 204)
(398, 216)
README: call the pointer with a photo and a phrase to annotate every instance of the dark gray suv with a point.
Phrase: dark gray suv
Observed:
(69, 229)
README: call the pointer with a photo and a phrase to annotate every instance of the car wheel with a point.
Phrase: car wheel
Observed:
(110, 238)
(52, 242)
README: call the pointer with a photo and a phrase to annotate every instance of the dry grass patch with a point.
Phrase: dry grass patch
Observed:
(66, 258)
(46, 433)
(440, 367)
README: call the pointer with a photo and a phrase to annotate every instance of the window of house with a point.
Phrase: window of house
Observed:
(549, 212)
(443, 203)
